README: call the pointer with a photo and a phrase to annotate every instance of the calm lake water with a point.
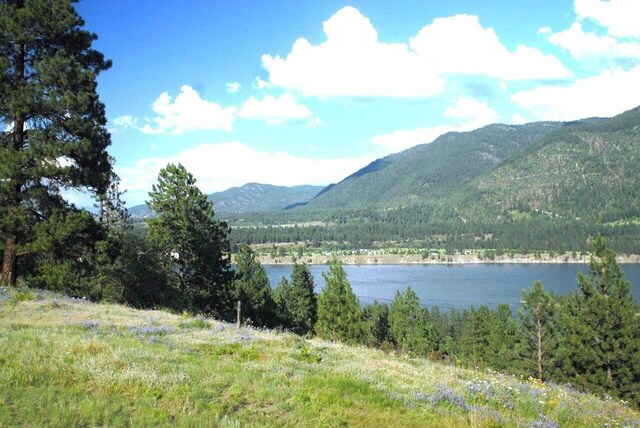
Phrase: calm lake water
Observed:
(455, 286)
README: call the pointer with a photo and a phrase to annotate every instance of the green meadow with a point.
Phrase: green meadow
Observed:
(67, 362)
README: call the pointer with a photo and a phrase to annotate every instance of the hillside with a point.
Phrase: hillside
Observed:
(255, 197)
(431, 171)
(69, 362)
(584, 170)
(250, 198)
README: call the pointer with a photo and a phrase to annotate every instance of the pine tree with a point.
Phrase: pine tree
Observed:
(474, 337)
(601, 330)
(339, 313)
(193, 242)
(54, 134)
(503, 340)
(377, 318)
(538, 330)
(282, 299)
(252, 289)
(302, 302)
(408, 326)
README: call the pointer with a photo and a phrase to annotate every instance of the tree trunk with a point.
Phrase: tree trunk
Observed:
(9, 273)
(9, 263)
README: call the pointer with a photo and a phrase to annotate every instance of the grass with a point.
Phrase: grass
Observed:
(66, 362)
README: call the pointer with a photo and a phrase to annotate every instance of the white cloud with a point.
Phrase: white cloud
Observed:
(261, 84)
(591, 46)
(403, 139)
(611, 92)
(274, 110)
(223, 165)
(188, 112)
(620, 17)
(353, 62)
(460, 45)
(470, 114)
(125, 122)
(233, 87)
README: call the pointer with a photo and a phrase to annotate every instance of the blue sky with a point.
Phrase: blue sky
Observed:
(306, 92)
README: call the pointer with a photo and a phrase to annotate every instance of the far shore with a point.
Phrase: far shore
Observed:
(414, 259)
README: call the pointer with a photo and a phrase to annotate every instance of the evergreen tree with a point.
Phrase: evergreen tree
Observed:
(377, 318)
(281, 298)
(192, 241)
(503, 340)
(54, 134)
(339, 313)
(474, 337)
(302, 303)
(408, 326)
(63, 253)
(538, 330)
(601, 330)
(252, 289)
(442, 337)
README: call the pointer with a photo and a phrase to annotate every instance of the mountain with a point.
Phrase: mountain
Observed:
(255, 197)
(582, 170)
(585, 171)
(250, 198)
(430, 171)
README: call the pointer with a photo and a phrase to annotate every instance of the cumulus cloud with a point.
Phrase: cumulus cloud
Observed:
(460, 45)
(591, 46)
(352, 61)
(125, 122)
(403, 139)
(223, 165)
(619, 17)
(233, 87)
(188, 112)
(274, 110)
(609, 93)
(469, 113)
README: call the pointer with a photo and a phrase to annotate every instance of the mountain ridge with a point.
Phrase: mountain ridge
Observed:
(249, 198)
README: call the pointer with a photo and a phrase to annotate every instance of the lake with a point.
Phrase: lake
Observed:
(455, 286)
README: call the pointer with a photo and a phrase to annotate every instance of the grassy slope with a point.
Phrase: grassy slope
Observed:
(65, 363)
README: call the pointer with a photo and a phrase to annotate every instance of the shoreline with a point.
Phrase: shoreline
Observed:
(458, 259)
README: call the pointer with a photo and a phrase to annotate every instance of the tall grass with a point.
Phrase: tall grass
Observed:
(65, 362)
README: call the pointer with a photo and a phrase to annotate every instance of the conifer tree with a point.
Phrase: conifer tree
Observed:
(302, 304)
(538, 330)
(339, 313)
(252, 289)
(408, 327)
(378, 324)
(474, 337)
(601, 330)
(281, 298)
(503, 340)
(193, 242)
(53, 124)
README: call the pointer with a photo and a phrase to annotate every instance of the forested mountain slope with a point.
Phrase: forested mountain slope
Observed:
(256, 197)
(584, 170)
(587, 171)
(250, 198)
(431, 171)
(533, 187)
